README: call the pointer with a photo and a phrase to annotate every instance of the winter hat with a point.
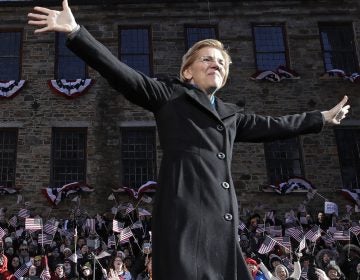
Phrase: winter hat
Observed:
(272, 258)
(8, 240)
(250, 261)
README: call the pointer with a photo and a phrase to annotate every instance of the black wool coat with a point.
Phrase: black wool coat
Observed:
(195, 216)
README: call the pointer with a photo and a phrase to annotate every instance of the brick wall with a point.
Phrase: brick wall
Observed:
(102, 109)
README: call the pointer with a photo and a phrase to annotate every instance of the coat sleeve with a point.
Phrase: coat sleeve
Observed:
(256, 128)
(266, 271)
(135, 86)
(297, 271)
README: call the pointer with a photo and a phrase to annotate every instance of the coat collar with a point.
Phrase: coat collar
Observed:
(223, 110)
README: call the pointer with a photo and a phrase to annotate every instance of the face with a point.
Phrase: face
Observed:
(332, 274)
(281, 273)
(358, 268)
(15, 262)
(252, 268)
(117, 262)
(208, 70)
(86, 271)
(326, 258)
(23, 249)
(321, 217)
(59, 270)
(84, 249)
(32, 271)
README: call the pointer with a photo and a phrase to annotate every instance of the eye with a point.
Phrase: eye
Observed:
(221, 62)
(207, 59)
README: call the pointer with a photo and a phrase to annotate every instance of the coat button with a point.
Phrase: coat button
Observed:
(228, 217)
(221, 155)
(220, 127)
(225, 185)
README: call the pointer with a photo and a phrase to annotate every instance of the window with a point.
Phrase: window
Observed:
(135, 48)
(138, 151)
(338, 46)
(194, 34)
(10, 50)
(8, 144)
(348, 142)
(270, 46)
(67, 65)
(68, 156)
(283, 160)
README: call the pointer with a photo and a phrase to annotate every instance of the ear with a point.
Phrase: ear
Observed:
(188, 74)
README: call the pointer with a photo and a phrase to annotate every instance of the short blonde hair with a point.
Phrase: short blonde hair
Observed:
(191, 55)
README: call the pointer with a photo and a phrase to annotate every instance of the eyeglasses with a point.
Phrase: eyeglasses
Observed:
(208, 59)
(23, 249)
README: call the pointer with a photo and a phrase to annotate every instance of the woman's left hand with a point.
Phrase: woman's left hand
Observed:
(337, 113)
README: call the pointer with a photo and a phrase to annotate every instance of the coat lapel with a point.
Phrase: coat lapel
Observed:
(226, 110)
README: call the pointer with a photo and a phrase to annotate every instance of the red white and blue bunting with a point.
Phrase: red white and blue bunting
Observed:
(9, 89)
(294, 184)
(338, 73)
(148, 187)
(55, 195)
(281, 73)
(70, 88)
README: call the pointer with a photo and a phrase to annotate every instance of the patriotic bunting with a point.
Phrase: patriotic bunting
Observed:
(291, 185)
(70, 88)
(55, 195)
(6, 190)
(148, 187)
(281, 73)
(11, 88)
(352, 195)
(338, 73)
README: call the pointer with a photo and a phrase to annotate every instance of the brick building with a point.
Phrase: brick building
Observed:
(47, 139)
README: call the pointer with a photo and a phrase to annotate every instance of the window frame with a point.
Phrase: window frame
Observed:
(83, 130)
(151, 129)
(56, 63)
(199, 26)
(21, 31)
(342, 158)
(300, 159)
(353, 45)
(150, 43)
(283, 27)
(16, 132)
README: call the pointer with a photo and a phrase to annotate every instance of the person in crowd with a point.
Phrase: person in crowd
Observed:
(32, 274)
(14, 264)
(23, 253)
(117, 265)
(254, 270)
(334, 273)
(147, 273)
(212, 127)
(5, 274)
(281, 272)
(59, 272)
(322, 221)
(86, 272)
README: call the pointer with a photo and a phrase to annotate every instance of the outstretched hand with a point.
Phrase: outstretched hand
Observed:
(52, 20)
(337, 113)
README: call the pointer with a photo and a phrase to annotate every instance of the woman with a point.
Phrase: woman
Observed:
(147, 273)
(196, 197)
(118, 268)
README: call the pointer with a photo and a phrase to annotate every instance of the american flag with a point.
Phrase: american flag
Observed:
(275, 230)
(304, 273)
(295, 233)
(267, 245)
(355, 229)
(313, 234)
(328, 239)
(126, 233)
(51, 227)
(129, 208)
(24, 213)
(143, 212)
(90, 224)
(286, 242)
(242, 225)
(33, 223)
(45, 274)
(302, 244)
(146, 198)
(111, 241)
(260, 228)
(13, 221)
(21, 271)
(2, 233)
(117, 226)
(270, 216)
(342, 235)
(137, 224)
(45, 239)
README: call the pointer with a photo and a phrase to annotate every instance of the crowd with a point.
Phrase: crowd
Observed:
(117, 245)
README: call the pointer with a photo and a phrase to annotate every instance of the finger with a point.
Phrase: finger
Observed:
(37, 22)
(343, 101)
(42, 10)
(65, 4)
(37, 16)
(44, 29)
(347, 107)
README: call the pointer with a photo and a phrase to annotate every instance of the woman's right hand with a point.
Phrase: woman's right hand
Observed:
(52, 20)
